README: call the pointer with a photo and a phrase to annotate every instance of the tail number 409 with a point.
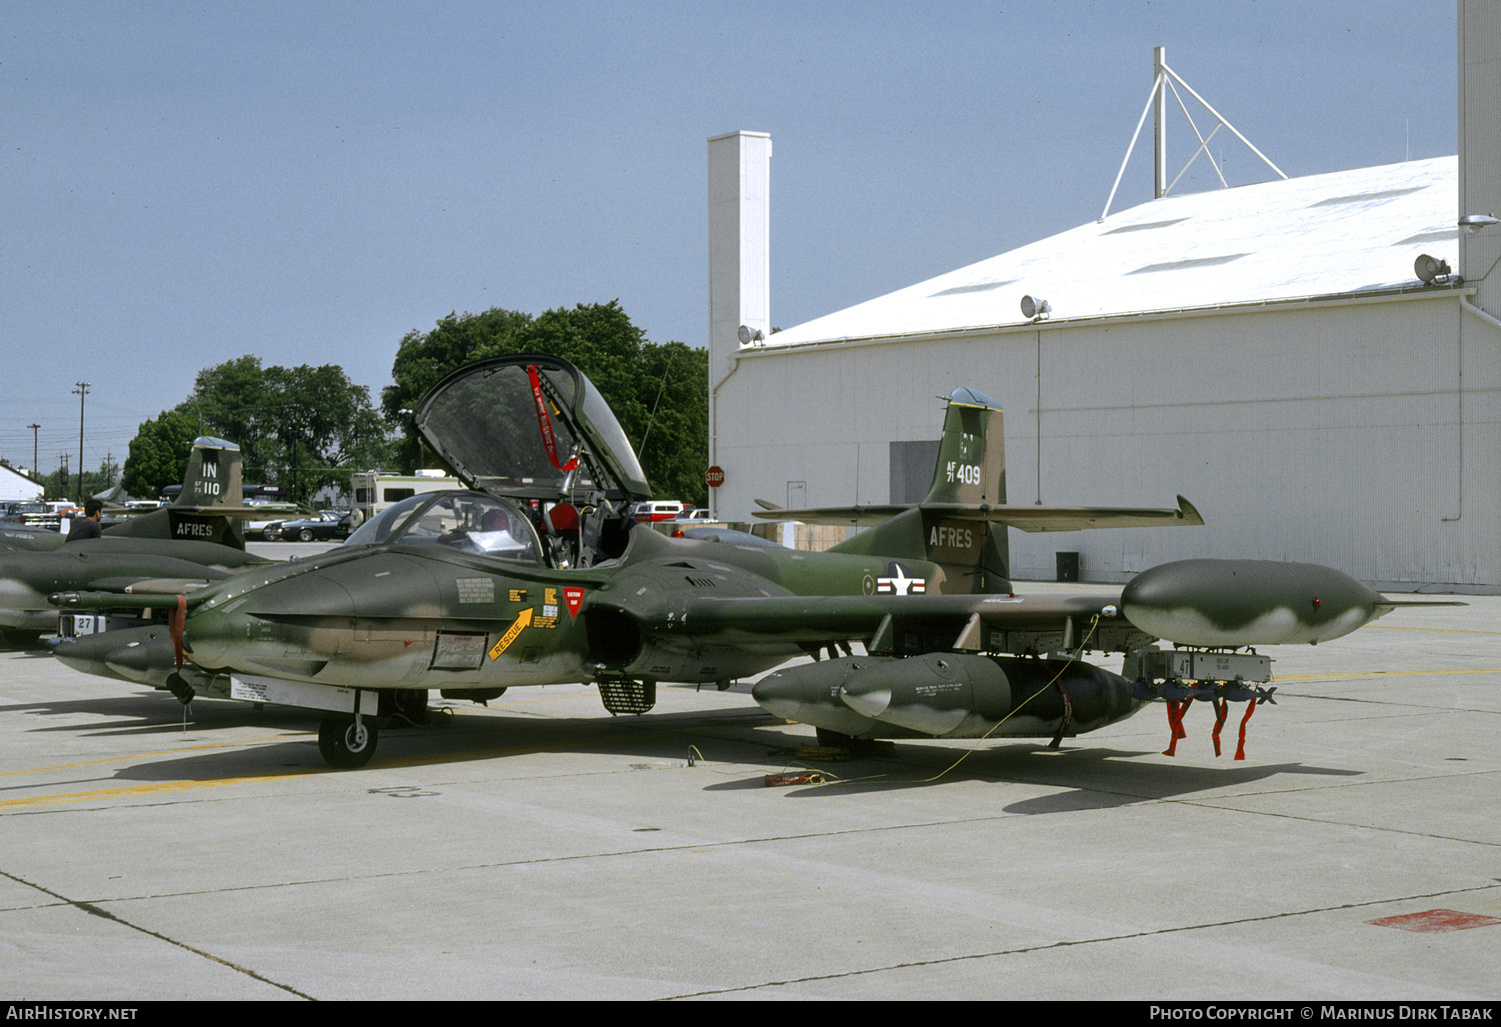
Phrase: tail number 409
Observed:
(969, 474)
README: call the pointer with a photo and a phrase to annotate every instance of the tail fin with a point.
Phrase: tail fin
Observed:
(971, 464)
(970, 474)
(961, 525)
(211, 489)
(213, 475)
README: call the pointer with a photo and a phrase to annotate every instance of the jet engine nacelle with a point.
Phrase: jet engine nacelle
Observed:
(948, 695)
(618, 644)
(1216, 603)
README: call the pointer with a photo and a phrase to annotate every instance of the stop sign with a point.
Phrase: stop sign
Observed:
(714, 476)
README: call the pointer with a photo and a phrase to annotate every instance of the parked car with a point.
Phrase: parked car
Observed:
(324, 528)
(657, 510)
(272, 516)
(32, 514)
(698, 514)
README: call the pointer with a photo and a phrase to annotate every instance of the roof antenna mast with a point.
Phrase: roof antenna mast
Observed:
(1163, 78)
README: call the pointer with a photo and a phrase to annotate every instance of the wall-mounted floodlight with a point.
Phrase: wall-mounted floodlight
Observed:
(747, 336)
(1431, 270)
(1473, 223)
(1035, 309)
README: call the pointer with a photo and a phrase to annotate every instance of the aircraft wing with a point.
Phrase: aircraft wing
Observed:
(989, 622)
(1027, 518)
(1208, 603)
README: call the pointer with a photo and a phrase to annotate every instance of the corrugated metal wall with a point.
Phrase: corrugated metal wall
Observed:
(1359, 435)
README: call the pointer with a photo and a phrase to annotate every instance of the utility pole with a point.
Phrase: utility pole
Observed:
(80, 392)
(33, 428)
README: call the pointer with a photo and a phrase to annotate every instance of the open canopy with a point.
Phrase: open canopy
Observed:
(530, 427)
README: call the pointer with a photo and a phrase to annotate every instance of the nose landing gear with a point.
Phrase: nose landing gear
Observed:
(347, 742)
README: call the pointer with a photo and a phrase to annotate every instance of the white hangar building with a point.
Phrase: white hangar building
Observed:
(1268, 351)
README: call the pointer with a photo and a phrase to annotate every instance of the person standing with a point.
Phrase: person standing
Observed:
(87, 526)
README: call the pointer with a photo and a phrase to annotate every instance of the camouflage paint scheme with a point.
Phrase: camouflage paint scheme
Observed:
(1250, 602)
(537, 576)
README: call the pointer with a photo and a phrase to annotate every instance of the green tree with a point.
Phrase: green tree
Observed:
(158, 454)
(675, 442)
(228, 401)
(424, 358)
(319, 421)
(301, 428)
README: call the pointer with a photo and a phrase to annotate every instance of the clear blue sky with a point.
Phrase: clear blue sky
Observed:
(308, 181)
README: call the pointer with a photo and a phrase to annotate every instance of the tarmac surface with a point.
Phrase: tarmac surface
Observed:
(542, 849)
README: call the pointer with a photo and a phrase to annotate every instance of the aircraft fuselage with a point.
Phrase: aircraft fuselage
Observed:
(430, 617)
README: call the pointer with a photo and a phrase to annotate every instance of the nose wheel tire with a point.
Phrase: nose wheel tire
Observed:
(345, 743)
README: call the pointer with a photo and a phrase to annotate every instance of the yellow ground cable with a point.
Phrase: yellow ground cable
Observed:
(1094, 623)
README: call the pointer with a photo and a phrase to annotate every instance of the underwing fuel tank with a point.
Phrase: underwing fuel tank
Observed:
(948, 695)
(1217, 603)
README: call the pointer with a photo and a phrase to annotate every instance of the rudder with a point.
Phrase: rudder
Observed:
(213, 476)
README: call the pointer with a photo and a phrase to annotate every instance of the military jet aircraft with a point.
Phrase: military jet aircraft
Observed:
(195, 540)
(538, 575)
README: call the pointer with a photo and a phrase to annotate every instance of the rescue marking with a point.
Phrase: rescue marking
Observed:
(510, 636)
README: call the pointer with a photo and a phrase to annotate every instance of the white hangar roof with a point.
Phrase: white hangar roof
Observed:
(1344, 233)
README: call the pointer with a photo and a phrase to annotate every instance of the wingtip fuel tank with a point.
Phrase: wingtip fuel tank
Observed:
(1218, 603)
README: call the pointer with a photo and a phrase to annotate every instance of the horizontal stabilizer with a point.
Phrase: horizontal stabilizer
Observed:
(1027, 518)
(258, 512)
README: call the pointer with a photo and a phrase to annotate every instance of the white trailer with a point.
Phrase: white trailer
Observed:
(373, 491)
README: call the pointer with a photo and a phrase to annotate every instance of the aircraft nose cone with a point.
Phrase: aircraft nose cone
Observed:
(85, 652)
(144, 655)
